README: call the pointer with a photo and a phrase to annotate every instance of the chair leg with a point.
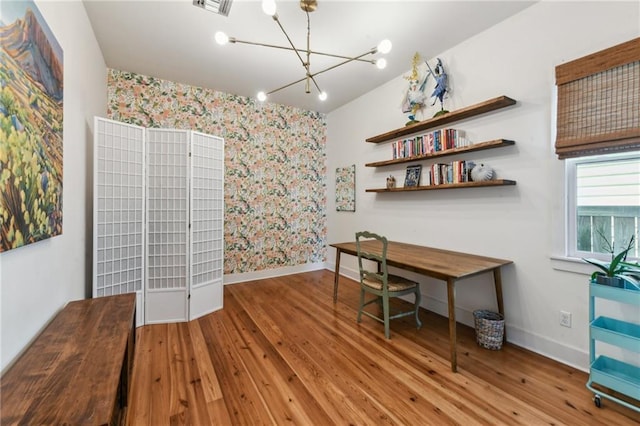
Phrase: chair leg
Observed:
(361, 304)
(417, 306)
(385, 312)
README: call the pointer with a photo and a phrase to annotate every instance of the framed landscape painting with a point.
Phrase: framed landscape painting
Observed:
(31, 106)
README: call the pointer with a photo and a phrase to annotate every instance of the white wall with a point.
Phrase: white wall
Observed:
(516, 58)
(39, 279)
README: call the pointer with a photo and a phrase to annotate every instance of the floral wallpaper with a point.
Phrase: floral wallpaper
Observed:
(275, 165)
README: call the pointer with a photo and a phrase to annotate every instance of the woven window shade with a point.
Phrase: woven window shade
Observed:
(599, 102)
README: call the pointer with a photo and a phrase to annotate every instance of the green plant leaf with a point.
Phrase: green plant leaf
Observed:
(618, 265)
(616, 260)
(600, 264)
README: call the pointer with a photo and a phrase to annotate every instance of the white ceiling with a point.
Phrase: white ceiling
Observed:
(173, 40)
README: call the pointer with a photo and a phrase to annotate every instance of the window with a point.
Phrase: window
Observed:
(603, 203)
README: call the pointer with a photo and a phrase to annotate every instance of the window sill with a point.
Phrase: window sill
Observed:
(571, 264)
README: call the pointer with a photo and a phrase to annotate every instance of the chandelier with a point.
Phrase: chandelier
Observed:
(307, 6)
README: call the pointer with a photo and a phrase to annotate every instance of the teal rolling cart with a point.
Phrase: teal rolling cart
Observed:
(614, 374)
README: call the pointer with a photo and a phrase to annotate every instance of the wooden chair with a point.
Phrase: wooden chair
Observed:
(380, 283)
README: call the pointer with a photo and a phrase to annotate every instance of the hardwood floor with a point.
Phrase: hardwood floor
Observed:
(282, 352)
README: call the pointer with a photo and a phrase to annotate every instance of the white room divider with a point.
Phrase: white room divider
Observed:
(182, 176)
(207, 224)
(118, 211)
(167, 225)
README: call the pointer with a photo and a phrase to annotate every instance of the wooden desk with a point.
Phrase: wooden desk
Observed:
(77, 370)
(444, 265)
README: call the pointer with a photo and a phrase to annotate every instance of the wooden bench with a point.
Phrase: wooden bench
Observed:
(77, 371)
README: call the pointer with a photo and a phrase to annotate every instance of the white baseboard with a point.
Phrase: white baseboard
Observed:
(270, 273)
(549, 348)
(542, 345)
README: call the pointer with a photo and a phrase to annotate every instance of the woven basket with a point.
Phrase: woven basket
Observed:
(489, 329)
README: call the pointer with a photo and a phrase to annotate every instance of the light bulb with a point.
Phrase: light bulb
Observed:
(269, 7)
(384, 46)
(262, 96)
(381, 63)
(221, 38)
(322, 96)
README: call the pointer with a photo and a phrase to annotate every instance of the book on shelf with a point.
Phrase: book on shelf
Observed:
(429, 143)
(437, 171)
(426, 179)
(449, 173)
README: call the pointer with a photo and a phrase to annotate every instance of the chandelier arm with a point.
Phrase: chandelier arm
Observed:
(308, 64)
(287, 85)
(295, 82)
(255, 43)
(341, 63)
(313, 52)
(312, 76)
(308, 41)
(359, 58)
(275, 18)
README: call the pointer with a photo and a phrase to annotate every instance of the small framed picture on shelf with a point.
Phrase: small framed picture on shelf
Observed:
(412, 177)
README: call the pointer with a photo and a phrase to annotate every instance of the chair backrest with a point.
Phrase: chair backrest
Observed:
(376, 252)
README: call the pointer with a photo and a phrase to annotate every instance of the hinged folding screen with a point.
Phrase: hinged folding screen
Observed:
(118, 211)
(185, 200)
(170, 201)
(599, 102)
(207, 223)
(167, 225)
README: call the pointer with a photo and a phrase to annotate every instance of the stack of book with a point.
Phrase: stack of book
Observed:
(429, 143)
(447, 173)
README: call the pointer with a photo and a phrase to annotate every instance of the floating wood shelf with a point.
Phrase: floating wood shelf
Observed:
(497, 182)
(475, 147)
(450, 117)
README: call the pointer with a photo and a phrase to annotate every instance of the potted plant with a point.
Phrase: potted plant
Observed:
(617, 271)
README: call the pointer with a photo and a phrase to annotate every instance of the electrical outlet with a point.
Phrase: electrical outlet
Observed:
(565, 319)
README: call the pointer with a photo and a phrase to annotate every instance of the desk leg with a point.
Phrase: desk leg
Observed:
(336, 277)
(497, 279)
(451, 295)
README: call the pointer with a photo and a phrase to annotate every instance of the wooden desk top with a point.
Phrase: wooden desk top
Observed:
(434, 262)
(71, 372)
